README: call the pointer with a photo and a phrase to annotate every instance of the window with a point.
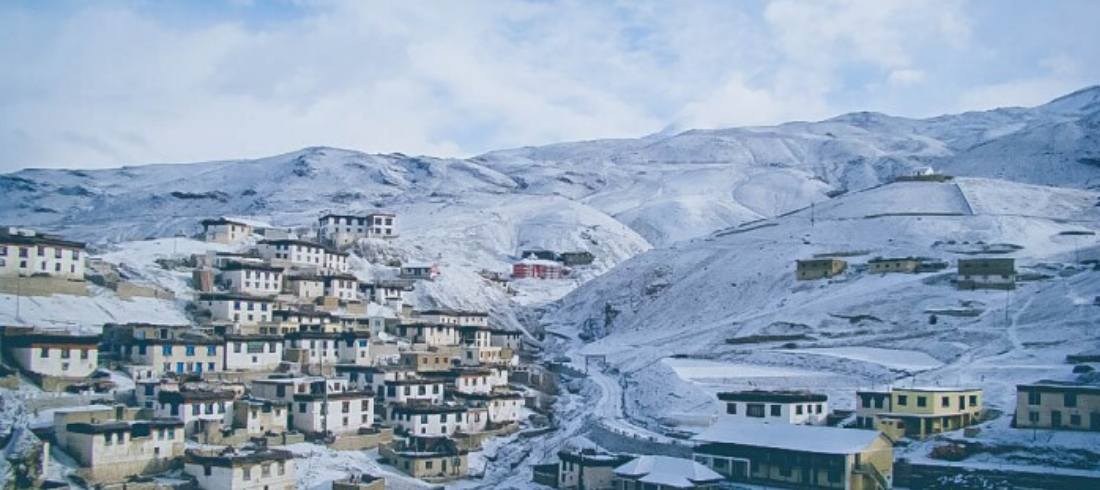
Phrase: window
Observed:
(1074, 419)
(210, 366)
(3, 251)
(301, 408)
(237, 347)
(41, 251)
(865, 401)
(818, 408)
(83, 353)
(109, 439)
(922, 401)
(166, 349)
(776, 410)
(206, 470)
(57, 253)
(903, 399)
(22, 252)
(282, 468)
(1033, 398)
(1068, 399)
(247, 473)
(798, 409)
(945, 401)
(973, 400)
(731, 408)
(265, 470)
(189, 350)
(754, 410)
(44, 352)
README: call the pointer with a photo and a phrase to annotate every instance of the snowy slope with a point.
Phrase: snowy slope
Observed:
(858, 330)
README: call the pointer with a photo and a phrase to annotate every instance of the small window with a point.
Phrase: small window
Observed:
(1068, 399)
(945, 401)
(731, 408)
(247, 473)
(1033, 398)
(44, 352)
(903, 399)
(776, 410)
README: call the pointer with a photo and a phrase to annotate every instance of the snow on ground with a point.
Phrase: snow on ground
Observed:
(891, 358)
(102, 306)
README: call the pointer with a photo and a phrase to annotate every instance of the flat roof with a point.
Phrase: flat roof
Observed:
(1051, 386)
(234, 297)
(804, 438)
(772, 396)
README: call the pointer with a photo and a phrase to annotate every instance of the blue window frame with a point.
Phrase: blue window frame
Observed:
(166, 349)
(190, 350)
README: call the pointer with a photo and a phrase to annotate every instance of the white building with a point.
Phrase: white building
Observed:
(322, 347)
(282, 387)
(193, 353)
(302, 254)
(776, 407)
(260, 417)
(347, 412)
(405, 390)
(229, 469)
(419, 271)
(987, 273)
(467, 380)
(389, 293)
(341, 230)
(429, 334)
(424, 419)
(253, 352)
(252, 279)
(196, 408)
(511, 339)
(25, 252)
(475, 335)
(55, 354)
(237, 308)
(503, 406)
(112, 450)
(224, 230)
(354, 348)
(342, 286)
(453, 317)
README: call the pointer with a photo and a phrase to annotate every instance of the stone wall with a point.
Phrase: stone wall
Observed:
(42, 286)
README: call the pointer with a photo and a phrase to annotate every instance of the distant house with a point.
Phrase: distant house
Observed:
(587, 468)
(665, 473)
(364, 481)
(797, 456)
(25, 252)
(573, 259)
(233, 469)
(809, 270)
(339, 411)
(251, 278)
(253, 352)
(196, 408)
(533, 268)
(418, 418)
(305, 286)
(453, 317)
(431, 334)
(387, 292)
(781, 407)
(919, 412)
(987, 273)
(888, 265)
(341, 230)
(1058, 405)
(224, 230)
(302, 253)
(432, 459)
(540, 254)
(419, 271)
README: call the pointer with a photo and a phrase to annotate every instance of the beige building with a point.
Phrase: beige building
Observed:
(797, 456)
(432, 459)
(223, 230)
(890, 265)
(54, 354)
(808, 270)
(260, 417)
(432, 360)
(430, 334)
(25, 253)
(922, 411)
(109, 445)
(1058, 405)
(230, 469)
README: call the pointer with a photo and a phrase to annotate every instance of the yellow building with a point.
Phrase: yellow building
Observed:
(1058, 405)
(921, 412)
(808, 270)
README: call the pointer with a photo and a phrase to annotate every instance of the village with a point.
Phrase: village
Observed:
(286, 347)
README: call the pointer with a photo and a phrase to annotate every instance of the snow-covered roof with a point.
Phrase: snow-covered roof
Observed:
(809, 438)
(667, 471)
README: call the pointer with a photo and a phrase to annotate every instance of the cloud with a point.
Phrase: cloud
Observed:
(95, 85)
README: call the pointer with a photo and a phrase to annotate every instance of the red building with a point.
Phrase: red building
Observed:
(538, 269)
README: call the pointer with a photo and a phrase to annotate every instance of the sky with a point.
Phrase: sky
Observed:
(111, 83)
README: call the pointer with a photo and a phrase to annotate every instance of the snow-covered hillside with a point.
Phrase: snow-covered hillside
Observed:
(665, 317)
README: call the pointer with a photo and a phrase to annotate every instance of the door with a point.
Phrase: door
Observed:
(1094, 421)
(1055, 418)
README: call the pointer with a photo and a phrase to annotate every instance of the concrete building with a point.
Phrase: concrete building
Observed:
(426, 333)
(405, 390)
(110, 443)
(240, 309)
(511, 339)
(336, 412)
(664, 473)
(797, 456)
(987, 273)
(453, 317)
(532, 268)
(1059, 405)
(252, 352)
(387, 292)
(432, 459)
(428, 361)
(809, 270)
(252, 279)
(475, 335)
(302, 254)
(321, 347)
(304, 286)
(426, 419)
(191, 352)
(587, 469)
(196, 408)
(881, 265)
(54, 354)
(260, 417)
(25, 252)
(363, 481)
(230, 469)
(776, 407)
(419, 271)
(502, 406)
(344, 287)
(223, 230)
(341, 230)
(919, 412)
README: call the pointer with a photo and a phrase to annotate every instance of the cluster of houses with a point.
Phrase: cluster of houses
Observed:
(285, 346)
(789, 439)
(977, 273)
(547, 264)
